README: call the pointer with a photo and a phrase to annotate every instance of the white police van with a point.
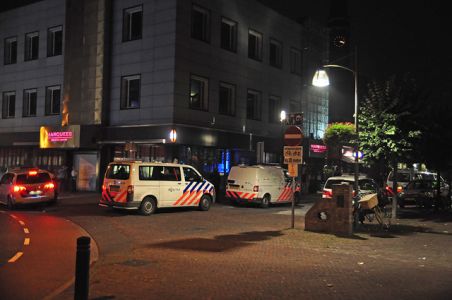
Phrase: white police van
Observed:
(146, 186)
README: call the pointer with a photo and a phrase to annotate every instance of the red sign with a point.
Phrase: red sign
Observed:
(316, 148)
(59, 136)
(293, 136)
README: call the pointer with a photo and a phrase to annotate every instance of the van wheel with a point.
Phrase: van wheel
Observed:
(204, 203)
(148, 206)
(9, 203)
(265, 201)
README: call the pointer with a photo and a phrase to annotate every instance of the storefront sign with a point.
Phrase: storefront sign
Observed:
(59, 137)
(316, 148)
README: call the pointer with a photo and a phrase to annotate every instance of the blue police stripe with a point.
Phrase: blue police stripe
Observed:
(188, 186)
(195, 186)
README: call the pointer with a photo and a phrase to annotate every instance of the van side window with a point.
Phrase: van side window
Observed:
(171, 174)
(191, 175)
(145, 173)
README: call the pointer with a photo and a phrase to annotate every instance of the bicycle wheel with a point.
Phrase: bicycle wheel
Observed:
(383, 217)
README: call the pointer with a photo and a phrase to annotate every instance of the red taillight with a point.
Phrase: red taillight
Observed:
(130, 189)
(256, 188)
(18, 188)
(103, 187)
(327, 194)
(32, 173)
(49, 186)
(399, 189)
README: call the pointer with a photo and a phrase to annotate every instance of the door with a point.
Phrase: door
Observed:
(170, 186)
(193, 187)
(86, 166)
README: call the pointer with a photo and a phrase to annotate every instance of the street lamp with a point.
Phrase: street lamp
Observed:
(321, 80)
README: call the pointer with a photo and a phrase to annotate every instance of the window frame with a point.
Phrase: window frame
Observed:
(127, 36)
(279, 59)
(274, 118)
(232, 102)
(5, 43)
(51, 40)
(232, 24)
(26, 46)
(49, 102)
(26, 101)
(260, 42)
(5, 112)
(204, 106)
(206, 33)
(294, 69)
(121, 100)
(257, 105)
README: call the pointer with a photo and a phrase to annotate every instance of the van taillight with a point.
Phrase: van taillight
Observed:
(327, 194)
(130, 189)
(256, 188)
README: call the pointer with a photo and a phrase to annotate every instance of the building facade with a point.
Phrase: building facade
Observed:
(201, 81)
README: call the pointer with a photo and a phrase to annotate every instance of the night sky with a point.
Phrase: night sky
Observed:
(393, 37)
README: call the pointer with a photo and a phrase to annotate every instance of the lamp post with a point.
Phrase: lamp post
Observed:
(321, 80)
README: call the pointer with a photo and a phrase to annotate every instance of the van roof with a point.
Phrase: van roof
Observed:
(259, 167)
(139, 162)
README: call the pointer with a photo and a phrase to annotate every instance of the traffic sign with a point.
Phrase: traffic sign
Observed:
(293, 136)
(293, 154)
(293, 170)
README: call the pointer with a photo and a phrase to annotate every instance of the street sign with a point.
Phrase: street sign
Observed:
(293, 136)
(293, 154)
(293, 170)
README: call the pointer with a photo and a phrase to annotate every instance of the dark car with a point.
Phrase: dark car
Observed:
(421, 193)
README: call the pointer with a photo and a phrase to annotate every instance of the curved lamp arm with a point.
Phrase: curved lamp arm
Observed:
(339, 67)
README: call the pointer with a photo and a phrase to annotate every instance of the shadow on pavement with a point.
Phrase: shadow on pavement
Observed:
(424, 215)
(219, 243)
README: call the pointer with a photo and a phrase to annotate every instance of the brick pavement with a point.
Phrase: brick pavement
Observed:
(249, 253)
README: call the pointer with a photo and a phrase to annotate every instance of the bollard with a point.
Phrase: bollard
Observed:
(82, 268)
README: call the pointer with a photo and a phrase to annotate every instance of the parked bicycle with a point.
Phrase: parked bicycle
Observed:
(367, 207)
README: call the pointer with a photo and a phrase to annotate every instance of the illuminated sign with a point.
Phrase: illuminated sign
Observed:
(318, 148)
(59, 137)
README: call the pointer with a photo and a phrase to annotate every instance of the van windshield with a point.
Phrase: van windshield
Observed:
(118, 171)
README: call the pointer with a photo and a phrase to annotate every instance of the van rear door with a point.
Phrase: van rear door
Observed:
(116, 182)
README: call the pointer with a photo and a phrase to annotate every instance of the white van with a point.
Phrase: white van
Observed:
(260, 184)
(147, 186)
(404, 176)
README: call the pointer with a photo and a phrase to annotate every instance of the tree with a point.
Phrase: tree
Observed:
(338, 135)
(386, 127)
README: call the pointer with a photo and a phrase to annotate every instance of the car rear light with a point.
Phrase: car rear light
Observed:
(256, 188)
(399, 189)
(103, 187)
(327, 194)
(32, 173)
(49, 186)
(18, 188)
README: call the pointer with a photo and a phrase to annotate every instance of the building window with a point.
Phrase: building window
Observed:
(227, 99)
(274, 109)
(199, 95)
(31, 46)
(132, 26)
(130, 91)
(228, 35)
(295, 61)
(30, 103)
(55, 41)
(53, 100)
(275, 53)
(294, 106)
(10, 50)
(200, 23)
(253, 105)
(9, 105)
(254, 45)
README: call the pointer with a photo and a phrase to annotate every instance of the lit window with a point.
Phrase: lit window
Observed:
(199, 88)
(227, 99)
(253, 105)
(31, 46)
(275, 53)
(53, 100)
(55, 41)
(10, 50)
(30, 103)
(274, 109)
(254, 45)
(130, 92)
(200, 24)
(228, 35)
(9, 105)
(132, 23)
(295, 61)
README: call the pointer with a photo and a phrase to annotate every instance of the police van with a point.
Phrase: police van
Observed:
(146, 186)
(260, 184)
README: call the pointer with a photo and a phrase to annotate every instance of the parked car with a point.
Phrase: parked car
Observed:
(404, 176)
(366, 186)
(26, 186)
(260, 184)
(422, 193)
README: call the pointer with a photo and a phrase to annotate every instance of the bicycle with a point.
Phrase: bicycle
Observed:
(368, 207)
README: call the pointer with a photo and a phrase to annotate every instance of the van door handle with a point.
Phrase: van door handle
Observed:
(179, 183)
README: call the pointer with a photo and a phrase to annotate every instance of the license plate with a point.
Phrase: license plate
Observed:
(114, 188)
(34, 193)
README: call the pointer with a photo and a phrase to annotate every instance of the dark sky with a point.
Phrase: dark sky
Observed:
(392, 36)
